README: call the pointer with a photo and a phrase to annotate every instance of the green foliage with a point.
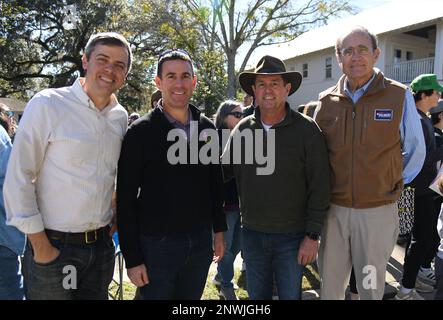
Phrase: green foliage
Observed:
(41, 41)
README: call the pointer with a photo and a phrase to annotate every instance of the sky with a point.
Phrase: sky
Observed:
(369, 3)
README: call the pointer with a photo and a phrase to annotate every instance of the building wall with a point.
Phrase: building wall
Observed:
(420, 47)
(316, 81)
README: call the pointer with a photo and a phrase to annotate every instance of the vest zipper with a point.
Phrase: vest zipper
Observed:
(352, 153)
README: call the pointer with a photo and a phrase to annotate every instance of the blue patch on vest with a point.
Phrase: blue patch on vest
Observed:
(383, 114)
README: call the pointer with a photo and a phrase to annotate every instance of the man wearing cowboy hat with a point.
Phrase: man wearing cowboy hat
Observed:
(282, 212)
(375, 144)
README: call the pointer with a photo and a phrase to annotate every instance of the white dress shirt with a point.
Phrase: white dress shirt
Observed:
(63, 164)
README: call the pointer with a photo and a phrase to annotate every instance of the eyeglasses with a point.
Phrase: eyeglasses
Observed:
(170, 51)
(8, 113)
(361, 50)
(236, 114)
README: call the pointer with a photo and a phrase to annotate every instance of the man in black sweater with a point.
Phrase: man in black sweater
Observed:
(165, 211)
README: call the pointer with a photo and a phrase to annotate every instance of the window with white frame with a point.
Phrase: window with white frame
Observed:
(328, 68)
(305, 70)
(397, 55)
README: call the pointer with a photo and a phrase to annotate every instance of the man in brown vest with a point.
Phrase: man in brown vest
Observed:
(375, 145)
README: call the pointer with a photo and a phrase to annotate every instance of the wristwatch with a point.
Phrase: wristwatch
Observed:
(313, 235)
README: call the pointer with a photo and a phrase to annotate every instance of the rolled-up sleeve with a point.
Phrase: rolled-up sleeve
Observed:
(27, 155)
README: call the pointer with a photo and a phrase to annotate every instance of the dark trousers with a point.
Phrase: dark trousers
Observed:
(439, 276)
(424, 239)
(177, 265)
(11, 280)
(269, 256)
(353, 282)
(80, 272)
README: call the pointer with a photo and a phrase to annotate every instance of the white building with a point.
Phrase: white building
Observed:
(410, 35)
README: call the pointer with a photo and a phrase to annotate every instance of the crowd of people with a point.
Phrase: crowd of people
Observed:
(283, 187)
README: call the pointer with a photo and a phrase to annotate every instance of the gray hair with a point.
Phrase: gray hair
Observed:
(110, 39)
(222, 112)
(360, 30)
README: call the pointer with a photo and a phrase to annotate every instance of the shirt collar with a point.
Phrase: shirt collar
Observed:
(80, 93)
(171, 119)
(359, 91)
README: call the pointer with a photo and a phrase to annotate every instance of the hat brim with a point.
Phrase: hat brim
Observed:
(247, 80)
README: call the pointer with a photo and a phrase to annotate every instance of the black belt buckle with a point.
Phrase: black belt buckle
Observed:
(90, 236)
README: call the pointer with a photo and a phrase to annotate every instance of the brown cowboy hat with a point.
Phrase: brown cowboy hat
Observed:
(268, 66)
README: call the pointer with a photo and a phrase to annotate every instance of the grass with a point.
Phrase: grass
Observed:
(128, 290)
(311, 280)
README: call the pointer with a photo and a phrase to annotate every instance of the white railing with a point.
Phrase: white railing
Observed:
(406, 71)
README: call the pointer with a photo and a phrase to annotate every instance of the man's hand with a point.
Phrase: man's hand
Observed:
(138, 275)
(307, 252)
(44, 251)
(219, 246)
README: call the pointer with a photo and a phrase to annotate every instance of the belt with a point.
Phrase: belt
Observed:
(87, 237)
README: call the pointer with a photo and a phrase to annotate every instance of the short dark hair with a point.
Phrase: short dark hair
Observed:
(356, 29)
(173, 54)
(435, 118)
(417, 95)
(157, 95)
(222, 112)
(108, 39)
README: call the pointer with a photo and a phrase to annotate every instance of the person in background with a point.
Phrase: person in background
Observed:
(309, 108)
(248, 104)
(439, 256)
(437, 122)
(132, 117)
(12, 241)
(422, 247)
(155, 98)
(228, 114)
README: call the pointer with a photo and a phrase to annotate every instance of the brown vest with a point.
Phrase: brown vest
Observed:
(364, 143)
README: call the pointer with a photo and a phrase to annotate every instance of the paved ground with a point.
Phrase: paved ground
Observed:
(393, 278)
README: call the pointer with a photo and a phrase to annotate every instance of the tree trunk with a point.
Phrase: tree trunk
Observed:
(232, 81)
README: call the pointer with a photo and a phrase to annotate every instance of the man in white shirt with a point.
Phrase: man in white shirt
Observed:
(61, 176)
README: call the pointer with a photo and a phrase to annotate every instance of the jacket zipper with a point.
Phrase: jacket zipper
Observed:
(352, 152)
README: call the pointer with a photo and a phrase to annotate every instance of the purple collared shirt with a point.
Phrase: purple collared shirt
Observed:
(177, 124)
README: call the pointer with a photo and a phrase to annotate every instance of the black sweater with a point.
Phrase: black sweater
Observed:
(433, 154)
(173, 199)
